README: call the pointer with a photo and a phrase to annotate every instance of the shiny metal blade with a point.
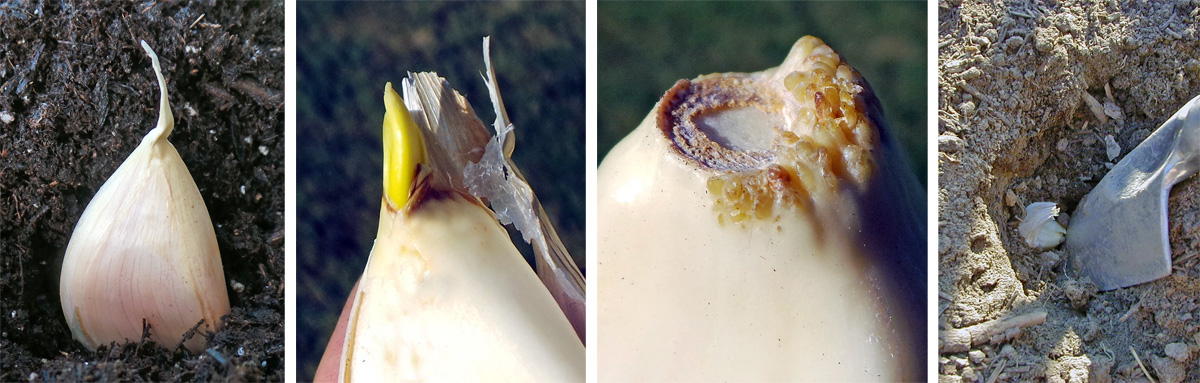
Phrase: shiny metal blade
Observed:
(1118, 233)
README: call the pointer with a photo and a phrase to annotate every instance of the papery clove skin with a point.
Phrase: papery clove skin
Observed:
(1039, 228)
(145, 248)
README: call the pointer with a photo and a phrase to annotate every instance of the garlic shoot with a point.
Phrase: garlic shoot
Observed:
(145, 248)
(445, 294)
(1039, 228)
(762, 227)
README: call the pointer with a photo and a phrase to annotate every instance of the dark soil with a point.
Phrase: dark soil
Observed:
(345, 54)
(81, 94)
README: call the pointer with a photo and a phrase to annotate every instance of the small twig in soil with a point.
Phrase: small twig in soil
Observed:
(217, 355)
(1184, 258)
(975, 92)
(21, 271)
(1019, 13)
(69, 42)
(1002, 116)
(197, 21)
(945, 296)
(145, 337)
(1140, 364)
(189, 334)
(43, 210)
(1132, 309)
(996, 373)
(225, 97)
(237, 152)
(126, 19)
(265, 97)
(994, 331)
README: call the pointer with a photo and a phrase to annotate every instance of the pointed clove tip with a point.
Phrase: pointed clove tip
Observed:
(148, 50)
(166, 121)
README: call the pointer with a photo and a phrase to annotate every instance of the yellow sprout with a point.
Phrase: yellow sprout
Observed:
(403, 149)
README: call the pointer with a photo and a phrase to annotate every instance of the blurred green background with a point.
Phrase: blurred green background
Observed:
(644, 47)
(347, 51)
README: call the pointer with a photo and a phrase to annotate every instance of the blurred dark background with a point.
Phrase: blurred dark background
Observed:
(347, 51)
(644, 47)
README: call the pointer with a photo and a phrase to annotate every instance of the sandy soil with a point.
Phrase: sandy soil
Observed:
(1014, 129)
(77, 94)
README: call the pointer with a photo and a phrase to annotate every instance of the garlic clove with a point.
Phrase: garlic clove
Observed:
(1039, 228)
(446, 296)
(444, 286)
(762, 227)
(145, 248)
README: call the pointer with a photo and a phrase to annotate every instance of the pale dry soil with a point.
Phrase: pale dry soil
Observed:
(1014, 129)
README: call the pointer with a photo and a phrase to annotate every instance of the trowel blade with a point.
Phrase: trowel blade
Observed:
(1118, 233)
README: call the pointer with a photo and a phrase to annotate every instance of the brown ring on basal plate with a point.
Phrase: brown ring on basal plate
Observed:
(688, 100)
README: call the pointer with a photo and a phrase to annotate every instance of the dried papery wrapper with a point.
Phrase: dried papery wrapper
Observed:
(762, 227)
(145, 249)
(1039, 228)
(451, 125)
(514, 201)
(486, 170)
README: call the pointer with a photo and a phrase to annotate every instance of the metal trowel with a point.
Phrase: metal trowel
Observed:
(1118, 234)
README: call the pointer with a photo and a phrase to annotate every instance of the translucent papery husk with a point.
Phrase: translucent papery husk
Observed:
(473, 161)
(762, 227)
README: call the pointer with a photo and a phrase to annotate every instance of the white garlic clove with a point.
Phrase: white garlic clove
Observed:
(1039, 228)
(446, 296)
(145, 249)
(748, 229)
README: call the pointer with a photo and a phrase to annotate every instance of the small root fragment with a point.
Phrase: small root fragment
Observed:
(996, 373)
(1140, 364)
(1132, 309)
(994, 332)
